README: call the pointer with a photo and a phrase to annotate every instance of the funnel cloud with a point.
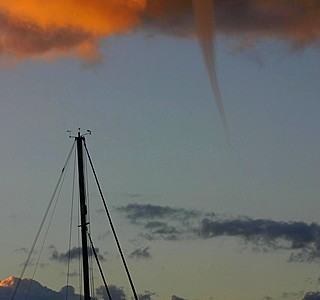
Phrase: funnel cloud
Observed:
(204, 15)
(52, 29)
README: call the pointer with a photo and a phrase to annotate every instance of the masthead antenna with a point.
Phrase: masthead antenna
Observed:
(88, 132)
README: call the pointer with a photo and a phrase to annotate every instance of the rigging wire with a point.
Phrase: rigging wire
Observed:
(46, 233)
(79, 255)
(112, 226)
(99, 266)
(71, 223)
(41, 224)
(87, 198)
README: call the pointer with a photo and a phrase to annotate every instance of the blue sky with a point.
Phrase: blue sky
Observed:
(158, 140)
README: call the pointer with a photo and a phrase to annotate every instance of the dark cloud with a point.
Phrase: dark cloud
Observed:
(295, 235)
(116, 293)
(296, 22)
(163, 222)
(167, 223)
(312, 296)
(177, 298)
(169, 17)
(161, 230)
(136, 212)
(141, 253)
(248, 21)
(72, 254)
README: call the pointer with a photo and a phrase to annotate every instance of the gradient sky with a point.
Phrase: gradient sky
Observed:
(158, 140)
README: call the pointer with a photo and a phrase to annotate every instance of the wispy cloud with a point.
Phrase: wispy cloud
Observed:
(137, 212)
(72, 254)
(157, 230)
(141, 253)
(162, 222)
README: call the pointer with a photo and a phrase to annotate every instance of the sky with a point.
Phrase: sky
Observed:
(205, 139)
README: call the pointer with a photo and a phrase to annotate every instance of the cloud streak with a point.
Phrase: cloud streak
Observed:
(72, 254)
(141, 253)
(137, 212)
(161, 222)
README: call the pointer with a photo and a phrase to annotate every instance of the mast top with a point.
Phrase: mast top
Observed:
(79, 135)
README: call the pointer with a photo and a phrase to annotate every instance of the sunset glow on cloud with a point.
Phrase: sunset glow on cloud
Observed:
(8, 282)
(35, 28)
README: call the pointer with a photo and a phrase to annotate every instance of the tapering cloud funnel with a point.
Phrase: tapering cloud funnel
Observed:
(50, 29)
(204, 15)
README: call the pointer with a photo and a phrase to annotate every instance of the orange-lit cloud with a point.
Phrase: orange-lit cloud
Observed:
(31, 28)
(8, 282)
(35, 28)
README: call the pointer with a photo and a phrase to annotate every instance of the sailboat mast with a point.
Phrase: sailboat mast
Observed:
(83, 212)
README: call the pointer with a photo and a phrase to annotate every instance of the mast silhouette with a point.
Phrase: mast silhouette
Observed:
(83, 213)
(85, 235)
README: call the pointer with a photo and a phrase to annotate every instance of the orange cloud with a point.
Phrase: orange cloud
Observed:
(99, 17)
(36, 28)
(8, 282)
